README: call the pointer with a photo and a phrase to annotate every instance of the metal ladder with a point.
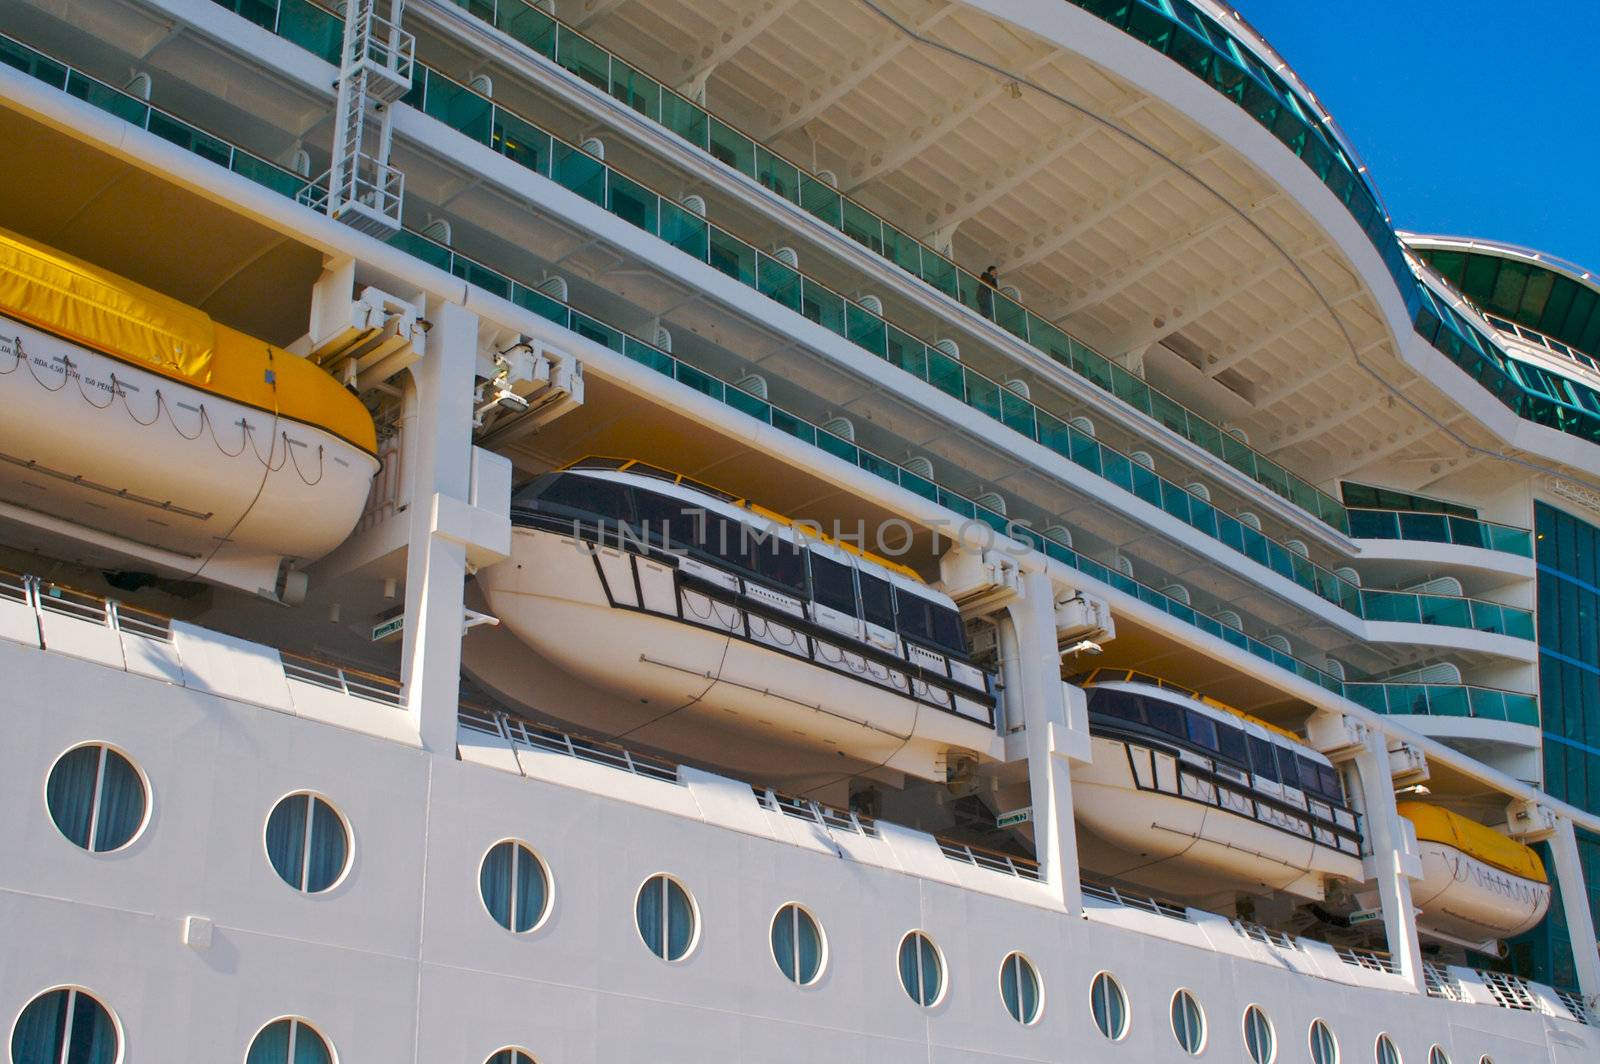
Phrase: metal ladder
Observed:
(376, 63)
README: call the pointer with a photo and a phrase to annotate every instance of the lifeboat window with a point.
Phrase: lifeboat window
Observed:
(1230, 743)
(1315, 777)
(583, 495)
(707, 489)
(947, 631)
(661, 519)
(1288, 772)
(1165, 716)
(1262, 762)
(605, 463)
(833, 584)
(877, 600)
(1202, 730)
(644, 470)
(1330, 782)
(718, 539)
(1119, 704)
(778, 561)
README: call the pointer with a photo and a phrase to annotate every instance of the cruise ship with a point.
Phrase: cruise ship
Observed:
(569, 531)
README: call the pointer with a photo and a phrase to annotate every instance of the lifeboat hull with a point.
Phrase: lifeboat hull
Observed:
(622, 623)
(1164, 830)
(1468, 899)
(135, 465)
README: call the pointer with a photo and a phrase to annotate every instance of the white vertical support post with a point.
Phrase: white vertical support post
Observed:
(436, 564)
(1044, 711)
(1386, 835)
(1575, 905)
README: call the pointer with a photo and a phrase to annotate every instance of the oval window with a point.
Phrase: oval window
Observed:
(1019, 988)
(289, 1041)
(1259, 1040)
(1110, 1006)
(514, 886)
(1188, 1022)
(1324, 1047)
(66, 1024)
(797, 945)
(96, 798)
(666, 917)
(921, 969)
(308, 842)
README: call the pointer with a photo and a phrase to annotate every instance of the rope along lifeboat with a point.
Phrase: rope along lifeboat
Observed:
(678, 596)
(1476, 884)
(1193, 798)
(144, 432)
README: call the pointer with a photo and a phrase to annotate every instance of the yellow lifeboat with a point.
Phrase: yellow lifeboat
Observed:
(140, 431)
(1476, 884)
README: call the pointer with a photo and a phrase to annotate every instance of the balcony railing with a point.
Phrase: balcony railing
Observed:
(1445, 700)
(1440, 528)
(271, 176)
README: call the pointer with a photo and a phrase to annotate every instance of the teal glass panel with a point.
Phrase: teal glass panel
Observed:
(733, 256)
(264, 173)
(866, 330)
(685, 230)
(945, 373)
(778, 282)
(309, 26)
(480, 275)
(685, 119)
(637, 90)
(632, 202)
(458, 107)
(646, 355)
(190, 139)
(746, 403)
(107, 99)
(862, 226)
(983, 394)
(599, 332)
(907, 352)
(823, 306)
(733, 148)
(699, 381)
(521, 142)
(777, 174)
(579, 172)
(1017, 412)
(822, 201)
(586, 59)
(540, 304)
(902, 250)
(526, 23)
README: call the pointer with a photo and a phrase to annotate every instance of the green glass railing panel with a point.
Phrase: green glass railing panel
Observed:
(317, 31)
(189, 138)
(866, 330)
(946, 374)
(732, 148)
(522, 142)
(584, 58)
(577, 171)
(107, 99)
(633, 203)
(778, 282)
(637, 90)
(685, 230)
(823, 306)
(700, 381)
(777, 174)
(734, 257)
(822, 201)
(686, 120)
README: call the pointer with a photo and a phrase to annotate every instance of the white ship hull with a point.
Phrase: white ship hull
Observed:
(1168, 833)
(676, 650)
(142, 468)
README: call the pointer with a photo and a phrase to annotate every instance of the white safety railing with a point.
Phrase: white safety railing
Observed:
(521, 732)
(823, 815)
(354, 682)
(993, 860)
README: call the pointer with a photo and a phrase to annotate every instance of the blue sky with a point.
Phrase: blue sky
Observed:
(1474, 118)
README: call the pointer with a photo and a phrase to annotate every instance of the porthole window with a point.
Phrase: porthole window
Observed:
(66, 1024)
(1188, 1022)
(797, 945)
(289, 1041)
(1019, 988)
(921, 969)
(1385, 1052)
(308, 842)
(514, 886)
(666, 917)
(511, 1056)
(1437, 1055)
(1110, 1006)
(1259, 1040)
(1324, 1047)
(96, 798)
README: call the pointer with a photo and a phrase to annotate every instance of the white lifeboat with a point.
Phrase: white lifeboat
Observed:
(1193, 799)
(1477, 884)
(141, 431)
(694, 606)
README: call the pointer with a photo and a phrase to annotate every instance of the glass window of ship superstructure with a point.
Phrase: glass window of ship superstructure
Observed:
(308, 842)
(1324, 1046)
(96, 798)
(1385, 1051)
(289, 1041)
(1259, 1039)
(514, 886)
(1188, 1022)
(797, 945)
(665, 914)
(921, 969)
(1020, 988)
(1437, 1055)
(1109, 1003)
(65, 1026)
(511, 1056)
